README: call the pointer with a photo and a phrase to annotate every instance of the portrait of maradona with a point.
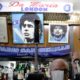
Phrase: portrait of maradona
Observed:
(24, 27)
(58, 33)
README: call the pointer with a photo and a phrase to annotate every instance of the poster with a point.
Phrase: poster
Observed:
(3, 30)
(58, 33)
(24, 27)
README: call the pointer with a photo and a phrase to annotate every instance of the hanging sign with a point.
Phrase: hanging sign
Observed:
(36, 6)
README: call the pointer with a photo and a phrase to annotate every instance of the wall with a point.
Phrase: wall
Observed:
(76, 35)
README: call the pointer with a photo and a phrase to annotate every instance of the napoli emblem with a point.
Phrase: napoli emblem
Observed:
(67, 8)
(0, 6)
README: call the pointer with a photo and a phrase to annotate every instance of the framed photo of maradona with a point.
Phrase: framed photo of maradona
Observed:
(23, 27)
(3, 30)
(58, 33)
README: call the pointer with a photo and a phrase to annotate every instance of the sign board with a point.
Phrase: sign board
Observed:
(36, 6)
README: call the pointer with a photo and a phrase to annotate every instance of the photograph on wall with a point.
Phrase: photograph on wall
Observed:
(58, 33)
(23, 26)
(3, 30)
